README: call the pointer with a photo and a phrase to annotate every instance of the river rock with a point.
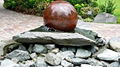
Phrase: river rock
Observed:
(64, 49)
(50, 46)
(33, 56)
(55, 50)
(40, 62)
(22, 47)
(115, 43)
(105, 18)
(77, 61)
(19, 55)
(66, 54)
(64, 63)
(28, 63)
(8, 63)
(56, 66)
(82, 53)
(67, 39)
(87, 65)
(38, 48)
(114, 64)
(95, 62)
(30, 48)
(53, 59)
(109, 55)
(73, 49)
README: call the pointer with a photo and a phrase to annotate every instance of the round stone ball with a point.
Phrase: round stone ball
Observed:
(60, 15)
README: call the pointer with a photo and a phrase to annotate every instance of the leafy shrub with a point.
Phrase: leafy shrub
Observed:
(10, 4)
(85, 6)
(108, 7)
(89, 12)
(79, 6)
(35, 7)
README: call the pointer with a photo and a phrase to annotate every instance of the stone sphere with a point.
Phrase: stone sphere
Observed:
(60, 15)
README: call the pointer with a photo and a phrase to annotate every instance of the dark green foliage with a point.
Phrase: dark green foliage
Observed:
(36, 7)
(10, 4)
(108, 7)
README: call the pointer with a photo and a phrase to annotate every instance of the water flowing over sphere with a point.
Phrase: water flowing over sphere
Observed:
(60, 15)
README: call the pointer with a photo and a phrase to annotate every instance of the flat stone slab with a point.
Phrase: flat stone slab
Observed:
(67, 39)
(91, 30)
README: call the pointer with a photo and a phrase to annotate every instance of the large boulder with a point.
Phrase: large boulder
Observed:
(105, 18)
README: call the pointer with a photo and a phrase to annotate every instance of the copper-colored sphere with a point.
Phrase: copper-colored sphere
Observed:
(60, 15)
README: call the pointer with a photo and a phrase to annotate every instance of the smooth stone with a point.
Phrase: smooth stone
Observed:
(33, 56)
(55, 50)
(53, 59)
(67, 39)
(105, 64)
(87, 65)
(50, 46)
(15, 60)
(28, 63)
(30, 48)
(64, 49)
(77, 61)
(109, 55)
(19, 55)
(8, 63)
(64, 63)
(115, 43)
(73, 49)
(56, 66)
(114, 64)
(105, 18)
(22, 47)
(66, 54)
(82, 53)
(41, 62)
(95, 62)
(38, 48)
(92, 49)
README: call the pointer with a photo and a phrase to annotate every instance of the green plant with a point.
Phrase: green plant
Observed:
(10, 4)
(93, 4)
(108, 7)
(89, 12)
(88, 20)
(79, 6)
(34, 7)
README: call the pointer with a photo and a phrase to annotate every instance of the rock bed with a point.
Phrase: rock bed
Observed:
(49, 53)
